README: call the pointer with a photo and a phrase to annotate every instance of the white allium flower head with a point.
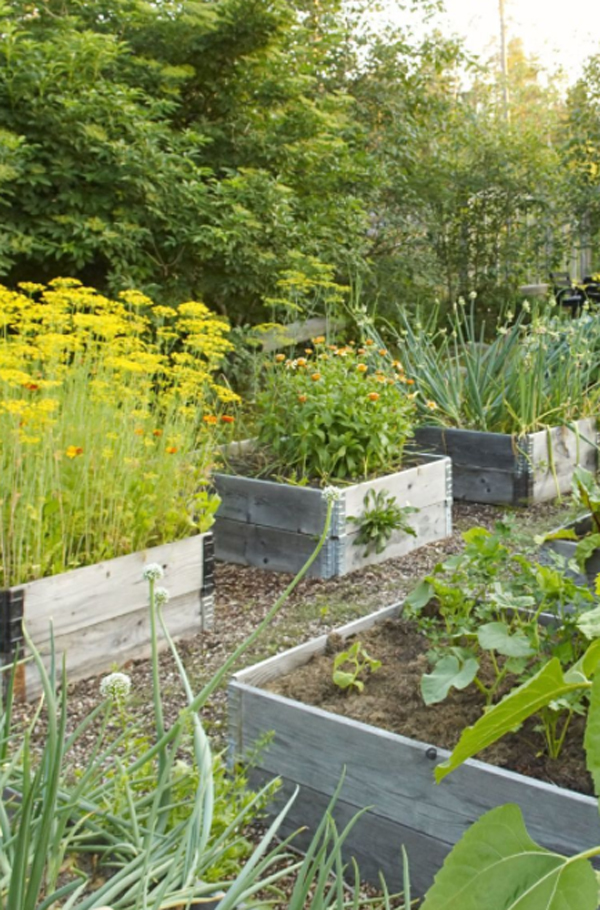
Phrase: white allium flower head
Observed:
(116, 686)
(161, 596)
(526, 306)
(472, 295)
(331, 494)
(152, 572)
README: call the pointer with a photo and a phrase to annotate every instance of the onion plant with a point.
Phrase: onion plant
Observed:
(120, 832)
(536, 371)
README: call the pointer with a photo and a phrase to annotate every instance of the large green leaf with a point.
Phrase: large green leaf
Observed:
(592, 735)
(497, 866)
(496, 636)
(546, 686)
(448, 673)
(589, 623)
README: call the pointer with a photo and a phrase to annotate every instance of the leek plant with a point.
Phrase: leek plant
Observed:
(536, 371)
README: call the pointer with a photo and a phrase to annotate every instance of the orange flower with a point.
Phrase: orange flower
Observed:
(315, 377)
(319, 340)
(209, 418)
(74, 451)
(301, 361)
(369, 342)
(308, 350)
(383, 352)
(362, 368)
(31, 386)
(170, 450)
(373, 396)
(302, 398)
(410, 382)
(226, 418)
(139, 431)
(279, 358)
(157, 432)
(397, 365)
(361, 351)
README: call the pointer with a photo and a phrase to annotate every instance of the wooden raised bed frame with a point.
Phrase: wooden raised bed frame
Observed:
(504, 469)
(99, 613)
(391, 774)
(276, 525)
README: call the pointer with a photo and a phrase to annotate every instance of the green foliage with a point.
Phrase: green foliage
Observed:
(381, 517)
(350, 665)
(537, 371)
(332, 415)
(498, 866)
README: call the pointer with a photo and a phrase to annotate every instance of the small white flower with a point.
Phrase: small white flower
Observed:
(116, 686)
(152, 572)
(472, 295)
(161, 597)
(331, 494)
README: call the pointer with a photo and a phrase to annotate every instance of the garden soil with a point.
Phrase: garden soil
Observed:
(391, 699)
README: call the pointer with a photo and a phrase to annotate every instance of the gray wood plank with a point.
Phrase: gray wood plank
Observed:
(374, 841)
(96, 648)
(111, 589)
(394, 775)
(270, 548)
(420, 486)
(301, 510)
(487, 485)
(470, 447)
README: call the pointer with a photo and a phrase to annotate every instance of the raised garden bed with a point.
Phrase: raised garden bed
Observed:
(504, 469)
(99, 613)
(387, 772)
(566, 548)
(275, 525)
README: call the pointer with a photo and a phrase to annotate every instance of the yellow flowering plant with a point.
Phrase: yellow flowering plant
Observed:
(336, 413)
(104, 445)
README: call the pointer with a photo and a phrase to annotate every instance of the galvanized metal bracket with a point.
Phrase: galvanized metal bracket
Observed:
(207, 591)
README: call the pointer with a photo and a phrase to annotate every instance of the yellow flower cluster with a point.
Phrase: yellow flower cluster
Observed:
(130, 347)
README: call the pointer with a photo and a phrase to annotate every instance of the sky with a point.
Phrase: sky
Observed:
(559, 32)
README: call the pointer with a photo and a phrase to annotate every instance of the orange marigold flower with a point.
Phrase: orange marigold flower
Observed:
(315, 377)
(397, 365)
(302, 398)
(410, 382)
(319, 340)
(139, 431)
(74, 451)
(227, 418)
(362, 368)
(279, 358)
(301, 361)
(361, 351)
(157, 432)
(369, 342)
(171, 450)
(209, 418)
(383, 352)
(308, 350)
(373, 396)
(31, 386)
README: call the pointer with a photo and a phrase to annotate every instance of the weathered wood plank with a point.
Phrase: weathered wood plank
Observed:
(420, 486)
(470, 447)
(95, 648)
(395, 775)
(483, 485)
(110, 590)
(270, 548)
(270, 504)
(374, 841)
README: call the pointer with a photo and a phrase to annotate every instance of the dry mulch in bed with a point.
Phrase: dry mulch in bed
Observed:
(392, 700)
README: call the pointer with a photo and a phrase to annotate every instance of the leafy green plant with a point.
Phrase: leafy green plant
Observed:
(381, 517)
(482, 608)
(496, 860)
(336, 413)
(349, 665)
